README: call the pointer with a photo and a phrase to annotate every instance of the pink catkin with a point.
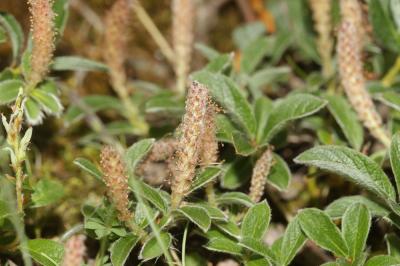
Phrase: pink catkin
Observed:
(183, 13)
(260, 173)
(117, 35)
(75, 251)
(42, 27)
(116, 180)
(349, 48)
(190, 142)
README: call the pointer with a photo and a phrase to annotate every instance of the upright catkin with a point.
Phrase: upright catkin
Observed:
(116, 41)
(321, 12)
(259, 176)
(351, 72)
(42, 28)
(116, 180)
(75, 251)
(352, 11)
(183, 13)
(209, 148)
(117, 35)
(190, 142)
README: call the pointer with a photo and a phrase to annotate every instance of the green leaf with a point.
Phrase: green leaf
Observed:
(253, 54)
(267, 76)
(48, 101)
(151, 249)
(9, 90)
(33, 113)
(262, 109)
(226, 93)
(395, 158)
(214, 212)
(121, 249)
(151, 194)
(395, 8)
(257, 246)
(337, 208)
(235, 174)
(292, 241)
(15, 32)
(293, 107)
(256, 221)
(391, 99)
(4, 210)
(206, 176)
(75, 63)
(347, 120)
(89, 167)
(136, 152)
(197, 215)
(60, 8)
(319, 228)
(383, 260)
(230, 228)
(206, 51)
(243, 36)
(46, 252)
(235, 198)
(257, 261)
(393, 245)
(220, 63)
(383, 26)
(47, 192)
(94, 103)
(279, 175)
(349, 163)
(243, 145)
(224, 245)
(3, 37)
(164, 103)
(355, 228)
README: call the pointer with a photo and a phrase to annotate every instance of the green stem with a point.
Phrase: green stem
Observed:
(184, 244)
(390, 76)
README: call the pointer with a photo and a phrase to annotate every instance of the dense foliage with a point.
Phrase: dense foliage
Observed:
(282, 151)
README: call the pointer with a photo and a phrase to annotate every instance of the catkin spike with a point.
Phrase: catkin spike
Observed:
(209, 148)
(190, 142)
(183, 13)
(75, 251)
(42, 28)
(260, 172)
(321, 11)
(162, 150)
(116, 180)
(117, 35)
(349, 49)
(351, 11)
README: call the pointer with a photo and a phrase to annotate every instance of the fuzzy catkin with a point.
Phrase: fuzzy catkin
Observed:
(321, 12)
(190, 142)
(116, 180)
(349, 49)
(258, 178)
(42, 28)
(183, 13)
(75, 251)
(351, 11)
(117, 35)
(209, 147)
(162, 150)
